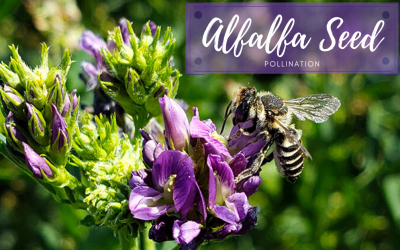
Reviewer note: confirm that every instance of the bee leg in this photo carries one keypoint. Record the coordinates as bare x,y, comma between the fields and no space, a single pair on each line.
258,162
269,158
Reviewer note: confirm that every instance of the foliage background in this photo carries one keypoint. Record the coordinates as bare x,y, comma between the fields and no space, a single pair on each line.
348,196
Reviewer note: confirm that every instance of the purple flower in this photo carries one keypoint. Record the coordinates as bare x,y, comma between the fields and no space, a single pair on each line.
185,232
173,188
227,205
172,193
36,163
92,44
176,124
206,131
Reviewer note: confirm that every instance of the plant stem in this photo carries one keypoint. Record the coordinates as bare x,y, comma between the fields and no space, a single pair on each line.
145,242
126,241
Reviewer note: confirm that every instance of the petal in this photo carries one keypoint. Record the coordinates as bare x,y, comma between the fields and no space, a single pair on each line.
222,169
91,43
188,203
239,203
36,163
204,131
142,177
249,186
175,122
238,164
148,152
184,182
225,214
170,162
141,203
185,232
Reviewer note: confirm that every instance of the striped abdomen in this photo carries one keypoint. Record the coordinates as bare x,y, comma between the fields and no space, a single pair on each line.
288,159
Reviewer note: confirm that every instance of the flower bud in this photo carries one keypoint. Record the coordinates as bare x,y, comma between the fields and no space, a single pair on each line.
13,101
37,125
36,163
61,70
9,77
151,149
60,141
175,122
36,95
14,135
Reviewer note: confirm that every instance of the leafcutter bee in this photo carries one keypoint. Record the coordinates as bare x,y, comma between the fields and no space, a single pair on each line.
268,117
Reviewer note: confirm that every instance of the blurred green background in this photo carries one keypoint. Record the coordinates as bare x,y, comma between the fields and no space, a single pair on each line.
347,198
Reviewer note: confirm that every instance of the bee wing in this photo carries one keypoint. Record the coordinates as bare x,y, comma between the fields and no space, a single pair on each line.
316,108
293,138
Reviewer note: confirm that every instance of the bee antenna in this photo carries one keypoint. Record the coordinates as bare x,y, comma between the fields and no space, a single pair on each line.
227,113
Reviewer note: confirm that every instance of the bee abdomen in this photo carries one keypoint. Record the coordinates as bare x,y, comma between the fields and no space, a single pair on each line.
288,160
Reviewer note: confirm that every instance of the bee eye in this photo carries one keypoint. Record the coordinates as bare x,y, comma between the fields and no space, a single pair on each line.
270,114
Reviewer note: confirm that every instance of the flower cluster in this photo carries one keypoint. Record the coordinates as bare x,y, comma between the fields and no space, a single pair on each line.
106,158
41,118
132,71
188,187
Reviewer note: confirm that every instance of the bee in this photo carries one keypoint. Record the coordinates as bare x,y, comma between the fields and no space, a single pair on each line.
268,117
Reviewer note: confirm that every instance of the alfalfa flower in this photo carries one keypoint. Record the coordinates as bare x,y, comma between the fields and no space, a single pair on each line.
189,187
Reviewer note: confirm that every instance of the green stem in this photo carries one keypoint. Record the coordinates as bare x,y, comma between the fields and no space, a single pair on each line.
126,241
145,242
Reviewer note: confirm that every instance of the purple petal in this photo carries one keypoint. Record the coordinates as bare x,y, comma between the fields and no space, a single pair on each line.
201,203
142,177
175,122
67,105
184,182
142,203
222,169
188,203
204,131
91,43
225,214
249,186
185,232
148,152
36,163
239,203
168,163
74,98
238,164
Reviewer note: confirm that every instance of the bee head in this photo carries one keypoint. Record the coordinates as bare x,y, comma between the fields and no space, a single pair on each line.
242,104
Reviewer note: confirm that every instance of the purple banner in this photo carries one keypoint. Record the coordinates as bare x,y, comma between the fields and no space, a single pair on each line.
285,38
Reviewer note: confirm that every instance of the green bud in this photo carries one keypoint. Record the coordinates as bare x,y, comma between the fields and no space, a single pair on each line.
10,77
13,101
37,126
61,70
36,94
